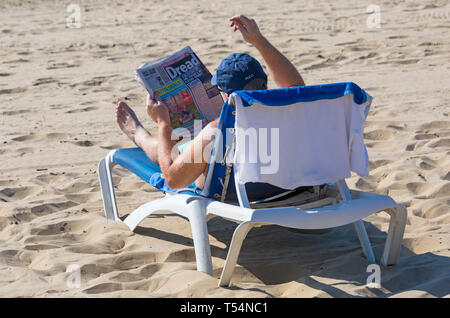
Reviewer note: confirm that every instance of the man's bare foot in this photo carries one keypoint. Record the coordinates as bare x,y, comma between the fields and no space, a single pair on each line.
129,123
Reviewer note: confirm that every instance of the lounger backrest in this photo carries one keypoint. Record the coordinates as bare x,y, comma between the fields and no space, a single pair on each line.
291,137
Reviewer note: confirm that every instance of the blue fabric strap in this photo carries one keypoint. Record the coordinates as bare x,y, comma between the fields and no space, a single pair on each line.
226,121
292,95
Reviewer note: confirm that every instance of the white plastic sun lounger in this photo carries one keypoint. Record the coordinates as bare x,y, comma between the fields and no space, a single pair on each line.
326,156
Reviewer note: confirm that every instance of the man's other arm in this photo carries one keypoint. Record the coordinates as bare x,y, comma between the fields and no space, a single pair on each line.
281,69
179,169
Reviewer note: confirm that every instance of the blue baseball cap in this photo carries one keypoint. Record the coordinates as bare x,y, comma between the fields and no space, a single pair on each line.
237,70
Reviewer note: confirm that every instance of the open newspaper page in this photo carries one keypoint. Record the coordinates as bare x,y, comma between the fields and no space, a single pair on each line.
184,84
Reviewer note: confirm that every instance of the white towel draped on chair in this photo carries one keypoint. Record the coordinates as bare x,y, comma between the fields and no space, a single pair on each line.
311,142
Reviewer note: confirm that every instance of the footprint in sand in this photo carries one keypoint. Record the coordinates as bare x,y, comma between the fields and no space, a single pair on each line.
29,137
127,277
396,127
307,40
93,83
16,61
19,193
406,62
44,81
368,56
436,125
417,188
96,81
54,179
425,136
84,143
424,190
411,147
185,255
73,226
395,37
131,260
16,90
92,271
4,222
10,257
47,208
40,247
378,163
100,247
82,198
426,163
15,112
56,66
366,184
444,143
150,269
34,137
435,209
103,288
77,186
316,66
80,110
433,130
446,177
379,134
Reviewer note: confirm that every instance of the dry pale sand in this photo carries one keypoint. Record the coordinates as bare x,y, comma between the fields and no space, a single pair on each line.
58,88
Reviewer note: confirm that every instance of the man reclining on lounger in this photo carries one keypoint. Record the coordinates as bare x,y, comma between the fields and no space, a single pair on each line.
236,72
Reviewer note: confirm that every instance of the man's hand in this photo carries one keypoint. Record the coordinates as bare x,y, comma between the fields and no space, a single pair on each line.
282,70
248,28
157,110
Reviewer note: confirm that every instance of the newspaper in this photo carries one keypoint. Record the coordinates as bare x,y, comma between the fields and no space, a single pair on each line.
184,84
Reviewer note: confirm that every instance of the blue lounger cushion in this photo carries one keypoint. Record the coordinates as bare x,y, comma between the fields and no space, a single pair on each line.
135,160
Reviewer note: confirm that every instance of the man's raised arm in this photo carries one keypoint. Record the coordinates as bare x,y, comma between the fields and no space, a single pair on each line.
283,72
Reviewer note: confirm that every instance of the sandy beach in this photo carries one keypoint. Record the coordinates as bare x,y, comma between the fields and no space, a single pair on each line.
58,89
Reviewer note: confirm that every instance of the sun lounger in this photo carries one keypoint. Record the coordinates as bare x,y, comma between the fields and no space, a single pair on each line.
321,128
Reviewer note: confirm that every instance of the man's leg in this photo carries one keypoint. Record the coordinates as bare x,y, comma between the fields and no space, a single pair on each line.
131,126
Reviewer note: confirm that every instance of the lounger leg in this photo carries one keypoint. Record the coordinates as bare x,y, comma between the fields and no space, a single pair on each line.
197,219
195,211
359,225
394,238
364,240
107,188
233,252
145,210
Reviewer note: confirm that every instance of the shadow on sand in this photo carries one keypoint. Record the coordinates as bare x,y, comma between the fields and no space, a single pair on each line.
274,255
